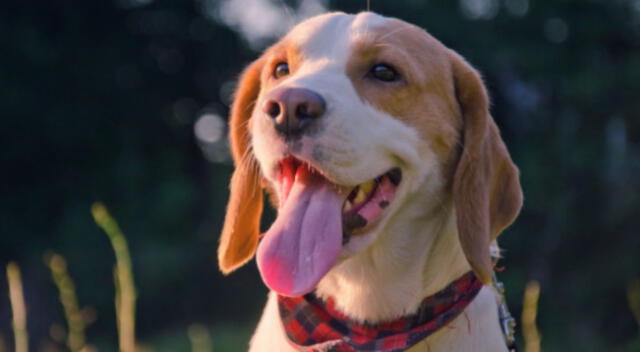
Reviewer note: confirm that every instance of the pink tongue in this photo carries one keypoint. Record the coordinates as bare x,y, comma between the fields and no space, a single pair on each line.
305,240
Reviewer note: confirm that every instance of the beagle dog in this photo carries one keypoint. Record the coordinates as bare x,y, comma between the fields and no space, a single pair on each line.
375,144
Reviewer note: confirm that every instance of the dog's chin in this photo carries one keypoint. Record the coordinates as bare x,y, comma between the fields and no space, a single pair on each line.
317,217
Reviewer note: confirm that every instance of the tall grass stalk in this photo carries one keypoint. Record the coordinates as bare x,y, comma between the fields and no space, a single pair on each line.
18,308
633,295
529,314
69,300
125,288
199,338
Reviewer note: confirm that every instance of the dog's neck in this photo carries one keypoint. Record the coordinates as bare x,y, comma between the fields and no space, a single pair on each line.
384,281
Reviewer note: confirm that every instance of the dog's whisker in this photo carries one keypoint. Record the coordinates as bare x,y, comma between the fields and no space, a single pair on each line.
250,106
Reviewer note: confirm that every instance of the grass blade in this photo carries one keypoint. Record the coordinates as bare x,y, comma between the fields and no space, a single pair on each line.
69,300
18,308
125,287
529,314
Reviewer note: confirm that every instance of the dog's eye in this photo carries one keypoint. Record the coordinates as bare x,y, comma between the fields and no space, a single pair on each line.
281,70
384,73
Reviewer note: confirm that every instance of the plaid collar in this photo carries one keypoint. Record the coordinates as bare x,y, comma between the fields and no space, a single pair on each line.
313,325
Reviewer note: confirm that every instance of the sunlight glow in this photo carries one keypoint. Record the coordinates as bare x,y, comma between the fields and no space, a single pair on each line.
260,21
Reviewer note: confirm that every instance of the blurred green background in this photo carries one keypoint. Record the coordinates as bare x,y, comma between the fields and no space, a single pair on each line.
99,102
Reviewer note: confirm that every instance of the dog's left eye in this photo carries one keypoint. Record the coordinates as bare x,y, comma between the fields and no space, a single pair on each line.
281,70
384,73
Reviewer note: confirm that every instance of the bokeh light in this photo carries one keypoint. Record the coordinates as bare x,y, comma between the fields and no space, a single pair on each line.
210,130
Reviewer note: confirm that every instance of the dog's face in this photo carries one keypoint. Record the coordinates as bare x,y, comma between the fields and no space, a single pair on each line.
344,121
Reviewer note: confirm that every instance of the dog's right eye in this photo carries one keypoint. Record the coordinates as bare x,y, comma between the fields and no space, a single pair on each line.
385,73
281,70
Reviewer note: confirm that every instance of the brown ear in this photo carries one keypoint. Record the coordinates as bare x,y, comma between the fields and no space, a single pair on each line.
239,237
486,186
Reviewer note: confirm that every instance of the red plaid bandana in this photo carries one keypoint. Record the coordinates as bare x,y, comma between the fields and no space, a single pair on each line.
316,326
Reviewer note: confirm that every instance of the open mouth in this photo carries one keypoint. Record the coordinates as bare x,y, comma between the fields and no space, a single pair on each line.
315,217
364,203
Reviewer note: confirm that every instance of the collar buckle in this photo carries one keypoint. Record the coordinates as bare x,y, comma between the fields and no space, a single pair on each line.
507,321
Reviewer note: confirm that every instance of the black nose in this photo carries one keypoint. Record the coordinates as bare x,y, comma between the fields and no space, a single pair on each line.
293,110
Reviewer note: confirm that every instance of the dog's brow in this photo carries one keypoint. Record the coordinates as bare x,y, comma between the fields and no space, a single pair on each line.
382,45
370,39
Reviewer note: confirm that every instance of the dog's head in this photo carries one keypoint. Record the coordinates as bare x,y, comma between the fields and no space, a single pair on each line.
343,122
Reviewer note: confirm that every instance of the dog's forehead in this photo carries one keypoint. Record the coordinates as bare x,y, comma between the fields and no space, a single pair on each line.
332,34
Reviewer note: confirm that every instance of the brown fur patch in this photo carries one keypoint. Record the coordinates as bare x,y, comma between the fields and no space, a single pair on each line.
424,97
282,51
239,237
486,187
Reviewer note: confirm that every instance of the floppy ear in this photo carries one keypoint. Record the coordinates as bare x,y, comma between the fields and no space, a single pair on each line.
486,186
239,237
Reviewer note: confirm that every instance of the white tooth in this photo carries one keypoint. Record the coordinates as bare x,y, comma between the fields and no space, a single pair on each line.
360,197
347,206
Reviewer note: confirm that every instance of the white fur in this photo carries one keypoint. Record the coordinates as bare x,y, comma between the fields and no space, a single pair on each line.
414,250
